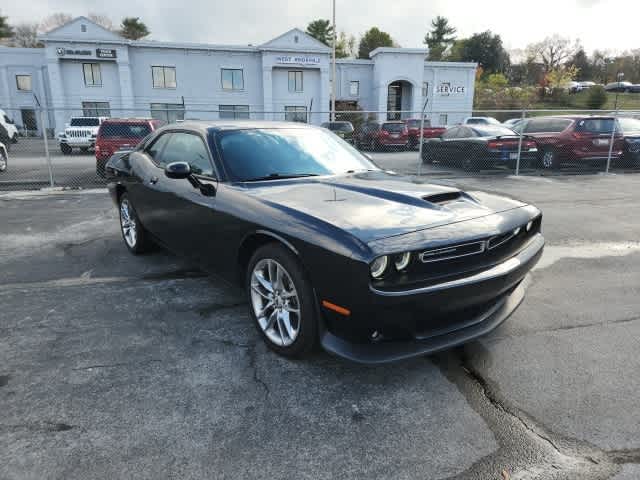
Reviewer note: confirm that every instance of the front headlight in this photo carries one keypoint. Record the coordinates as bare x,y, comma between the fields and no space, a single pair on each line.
401,261
379,266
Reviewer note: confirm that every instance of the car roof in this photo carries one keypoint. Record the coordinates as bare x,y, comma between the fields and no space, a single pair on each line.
230,125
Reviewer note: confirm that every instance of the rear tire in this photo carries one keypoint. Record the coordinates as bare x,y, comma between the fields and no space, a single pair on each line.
3,161
134,235
281,301
549,159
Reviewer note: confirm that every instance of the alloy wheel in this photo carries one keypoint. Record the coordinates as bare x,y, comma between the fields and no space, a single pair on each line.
548,159
275,302
128,223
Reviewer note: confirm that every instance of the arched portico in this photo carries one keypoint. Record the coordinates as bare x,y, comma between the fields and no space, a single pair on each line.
399,99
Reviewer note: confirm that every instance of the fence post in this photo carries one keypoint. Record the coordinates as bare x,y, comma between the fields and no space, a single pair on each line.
612,139
520,142
46,144
424,108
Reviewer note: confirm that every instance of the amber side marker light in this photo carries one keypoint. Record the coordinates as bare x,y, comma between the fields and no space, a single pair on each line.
336,308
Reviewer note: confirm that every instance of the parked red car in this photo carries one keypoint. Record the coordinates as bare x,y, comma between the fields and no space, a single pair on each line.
413,130
117,134
376,136
573,138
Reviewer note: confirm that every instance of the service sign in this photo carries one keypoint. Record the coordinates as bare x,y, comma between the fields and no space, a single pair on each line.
297,60
105,53
448,89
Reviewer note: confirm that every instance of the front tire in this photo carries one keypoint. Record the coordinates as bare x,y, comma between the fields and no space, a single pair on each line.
133,233
65,149
3,161
281,301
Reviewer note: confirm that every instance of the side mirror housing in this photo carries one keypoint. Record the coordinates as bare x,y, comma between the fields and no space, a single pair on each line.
178,170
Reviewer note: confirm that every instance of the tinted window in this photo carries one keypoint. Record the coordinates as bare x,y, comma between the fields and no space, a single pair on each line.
595,125
85,122
553,125
187,147
338,126
125,130
251,154
370,127
157,146
393,127
492,131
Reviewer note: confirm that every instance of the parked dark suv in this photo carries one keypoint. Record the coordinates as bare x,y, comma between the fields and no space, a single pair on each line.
121,134
341,128
574,139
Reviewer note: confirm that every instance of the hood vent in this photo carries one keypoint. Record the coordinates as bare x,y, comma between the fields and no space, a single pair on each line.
442,198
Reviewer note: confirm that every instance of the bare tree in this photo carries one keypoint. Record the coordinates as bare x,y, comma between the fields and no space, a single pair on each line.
25,35
553,51
54,20
102,20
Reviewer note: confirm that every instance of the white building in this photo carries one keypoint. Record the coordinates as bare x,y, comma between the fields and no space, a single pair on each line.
86,69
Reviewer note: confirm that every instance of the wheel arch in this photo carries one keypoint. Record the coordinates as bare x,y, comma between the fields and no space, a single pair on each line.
251,242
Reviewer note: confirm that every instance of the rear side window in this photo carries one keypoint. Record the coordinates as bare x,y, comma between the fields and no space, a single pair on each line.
595,125
156,148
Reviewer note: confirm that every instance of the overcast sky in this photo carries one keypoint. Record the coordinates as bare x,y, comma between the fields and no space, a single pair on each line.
598,24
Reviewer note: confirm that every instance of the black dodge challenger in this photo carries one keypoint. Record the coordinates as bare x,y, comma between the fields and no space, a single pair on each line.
372,265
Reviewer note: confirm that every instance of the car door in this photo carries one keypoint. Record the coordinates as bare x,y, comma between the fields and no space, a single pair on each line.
448,147
185,213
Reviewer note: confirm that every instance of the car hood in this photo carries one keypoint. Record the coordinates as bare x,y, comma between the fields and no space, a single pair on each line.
376,205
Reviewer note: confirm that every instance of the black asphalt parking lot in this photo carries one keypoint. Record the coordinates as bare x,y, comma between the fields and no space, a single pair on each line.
115,366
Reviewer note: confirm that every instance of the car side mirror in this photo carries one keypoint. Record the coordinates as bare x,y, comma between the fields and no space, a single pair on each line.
178,170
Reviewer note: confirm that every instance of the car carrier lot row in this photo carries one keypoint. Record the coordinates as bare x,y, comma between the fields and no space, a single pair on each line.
121,366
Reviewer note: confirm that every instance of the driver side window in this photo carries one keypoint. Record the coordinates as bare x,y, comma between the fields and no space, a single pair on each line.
451,133
187,147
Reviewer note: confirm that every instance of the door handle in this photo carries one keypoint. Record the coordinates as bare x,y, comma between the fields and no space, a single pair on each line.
153,180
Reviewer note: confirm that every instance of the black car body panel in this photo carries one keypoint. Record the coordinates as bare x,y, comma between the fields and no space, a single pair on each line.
337,225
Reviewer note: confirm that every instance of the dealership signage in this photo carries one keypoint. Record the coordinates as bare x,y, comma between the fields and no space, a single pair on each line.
105,53
69,51
297,60
447,89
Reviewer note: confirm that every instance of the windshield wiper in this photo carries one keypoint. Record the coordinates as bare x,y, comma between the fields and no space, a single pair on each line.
279,176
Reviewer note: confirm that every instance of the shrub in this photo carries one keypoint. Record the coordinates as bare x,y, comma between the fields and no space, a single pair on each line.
597,97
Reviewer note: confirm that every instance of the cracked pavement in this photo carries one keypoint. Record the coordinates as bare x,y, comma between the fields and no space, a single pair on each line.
117,366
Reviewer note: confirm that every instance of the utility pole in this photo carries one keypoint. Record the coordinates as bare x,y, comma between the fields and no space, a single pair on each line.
333,67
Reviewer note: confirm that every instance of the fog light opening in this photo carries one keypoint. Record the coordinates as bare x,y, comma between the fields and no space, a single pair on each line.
376,336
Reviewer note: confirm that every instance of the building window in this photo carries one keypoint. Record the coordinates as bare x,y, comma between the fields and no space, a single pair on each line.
295,114
164,77
83,28
168,112
234,112
295,81
23,83
354,88
96,109
443,120
425,89
92,74
232,79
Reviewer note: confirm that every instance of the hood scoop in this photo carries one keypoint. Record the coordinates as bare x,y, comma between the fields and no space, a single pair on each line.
444,197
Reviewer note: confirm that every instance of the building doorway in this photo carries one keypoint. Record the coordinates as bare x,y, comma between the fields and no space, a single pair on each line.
399,99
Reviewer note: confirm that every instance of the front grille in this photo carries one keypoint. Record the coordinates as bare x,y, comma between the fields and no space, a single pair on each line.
454,251
459,260
78,134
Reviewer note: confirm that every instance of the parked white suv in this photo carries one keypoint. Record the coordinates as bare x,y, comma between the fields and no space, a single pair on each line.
8,131
80,133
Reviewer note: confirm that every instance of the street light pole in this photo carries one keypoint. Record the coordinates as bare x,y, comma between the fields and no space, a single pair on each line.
333,67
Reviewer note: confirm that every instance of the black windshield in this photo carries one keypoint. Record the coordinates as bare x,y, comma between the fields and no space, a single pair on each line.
85,122
276,153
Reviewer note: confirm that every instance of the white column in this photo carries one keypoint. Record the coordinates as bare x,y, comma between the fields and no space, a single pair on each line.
62,110
324,103
5,89
267,91
126,90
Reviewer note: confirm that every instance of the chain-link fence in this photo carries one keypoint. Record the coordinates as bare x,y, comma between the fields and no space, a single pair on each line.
69,148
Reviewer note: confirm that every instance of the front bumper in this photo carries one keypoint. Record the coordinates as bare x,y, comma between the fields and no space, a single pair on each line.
437,317
77,142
